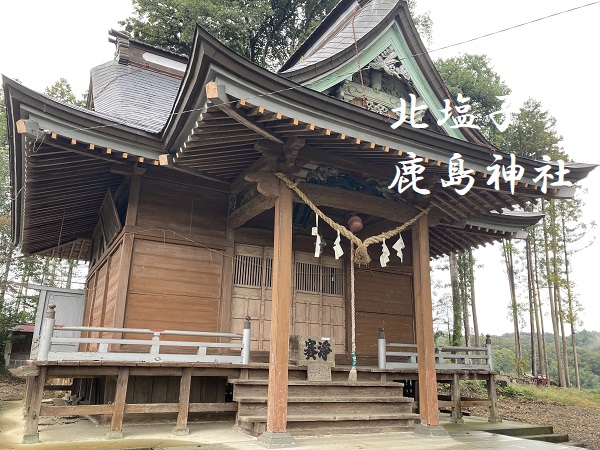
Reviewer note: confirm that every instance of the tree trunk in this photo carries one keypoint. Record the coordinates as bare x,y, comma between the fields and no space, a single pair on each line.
549,279
463,279
4,280
70,274
531,305
456,303
473,308
508,259
557,296
539,313
570,300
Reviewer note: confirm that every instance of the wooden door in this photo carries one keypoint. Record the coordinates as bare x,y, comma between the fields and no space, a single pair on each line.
318,307
251,293
383,299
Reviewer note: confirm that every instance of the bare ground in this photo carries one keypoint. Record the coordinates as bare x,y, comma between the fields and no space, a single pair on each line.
11,388
581,423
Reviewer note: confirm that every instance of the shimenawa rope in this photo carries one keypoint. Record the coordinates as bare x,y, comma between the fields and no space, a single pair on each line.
361,256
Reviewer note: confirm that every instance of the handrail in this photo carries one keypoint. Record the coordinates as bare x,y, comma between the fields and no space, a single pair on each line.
459,357
147,331
47,338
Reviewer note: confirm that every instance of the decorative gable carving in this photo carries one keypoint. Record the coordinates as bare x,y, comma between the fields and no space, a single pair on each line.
389,62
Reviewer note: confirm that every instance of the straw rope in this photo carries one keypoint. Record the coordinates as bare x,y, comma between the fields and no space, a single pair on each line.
362,256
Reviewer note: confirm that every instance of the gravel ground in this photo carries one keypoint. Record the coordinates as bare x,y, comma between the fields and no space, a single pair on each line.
12,388
582,424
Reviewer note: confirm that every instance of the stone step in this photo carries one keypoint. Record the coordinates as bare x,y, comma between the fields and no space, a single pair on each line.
350,427
331,417
524,431
556,438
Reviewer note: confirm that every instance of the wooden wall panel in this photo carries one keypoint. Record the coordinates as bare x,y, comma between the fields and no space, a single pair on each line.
114,263
383,299
174,287
187,210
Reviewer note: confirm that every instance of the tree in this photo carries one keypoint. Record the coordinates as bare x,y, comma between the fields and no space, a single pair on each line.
474,77
61,90
263,31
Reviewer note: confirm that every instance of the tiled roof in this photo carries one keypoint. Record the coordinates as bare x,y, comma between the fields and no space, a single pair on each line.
134,96
341,35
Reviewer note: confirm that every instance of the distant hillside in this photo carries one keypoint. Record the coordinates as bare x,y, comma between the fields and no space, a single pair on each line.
588,353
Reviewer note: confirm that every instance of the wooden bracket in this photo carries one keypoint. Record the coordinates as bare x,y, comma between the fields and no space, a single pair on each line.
266,183
29,128
250,209
216,94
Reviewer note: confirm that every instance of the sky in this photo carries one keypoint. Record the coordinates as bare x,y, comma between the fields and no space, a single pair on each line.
553,61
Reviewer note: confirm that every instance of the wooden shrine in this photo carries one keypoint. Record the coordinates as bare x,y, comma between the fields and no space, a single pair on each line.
194,200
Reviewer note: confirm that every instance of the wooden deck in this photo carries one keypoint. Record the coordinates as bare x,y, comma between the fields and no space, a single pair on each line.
111,382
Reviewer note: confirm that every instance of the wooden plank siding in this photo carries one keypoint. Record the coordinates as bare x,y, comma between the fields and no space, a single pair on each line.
383,299
173,287
188,211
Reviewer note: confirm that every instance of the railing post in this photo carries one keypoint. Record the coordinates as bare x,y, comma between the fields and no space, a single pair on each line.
488,346
381,357
439,356
155,348
246,335
46,333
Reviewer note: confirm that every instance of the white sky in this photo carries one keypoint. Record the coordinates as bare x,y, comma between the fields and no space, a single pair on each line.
553,61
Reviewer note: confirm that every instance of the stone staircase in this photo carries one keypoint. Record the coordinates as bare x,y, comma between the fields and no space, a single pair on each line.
327,407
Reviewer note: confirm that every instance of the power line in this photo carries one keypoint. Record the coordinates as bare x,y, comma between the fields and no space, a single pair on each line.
502,30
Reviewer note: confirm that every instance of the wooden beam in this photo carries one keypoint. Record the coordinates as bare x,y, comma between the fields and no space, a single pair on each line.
185,384
249,210
428,400
377,171
116,423
280,313
31,434
216,94
134,198
351,201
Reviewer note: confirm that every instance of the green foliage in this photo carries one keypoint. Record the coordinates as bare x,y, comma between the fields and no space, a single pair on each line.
264,31
423,22
61,90
474,77
532,133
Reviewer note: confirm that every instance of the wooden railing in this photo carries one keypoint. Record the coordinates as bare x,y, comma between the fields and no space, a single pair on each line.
404,356
50,334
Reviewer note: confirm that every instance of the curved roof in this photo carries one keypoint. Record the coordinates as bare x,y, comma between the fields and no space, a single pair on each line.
136,96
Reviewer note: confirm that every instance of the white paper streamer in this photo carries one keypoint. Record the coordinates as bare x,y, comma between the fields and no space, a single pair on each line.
385,254
315,232
398,246
337,248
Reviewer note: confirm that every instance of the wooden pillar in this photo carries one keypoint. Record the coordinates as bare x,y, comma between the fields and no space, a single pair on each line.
456,401
31,434
184,402
116,423
280,312
126,254
428,401
492,396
